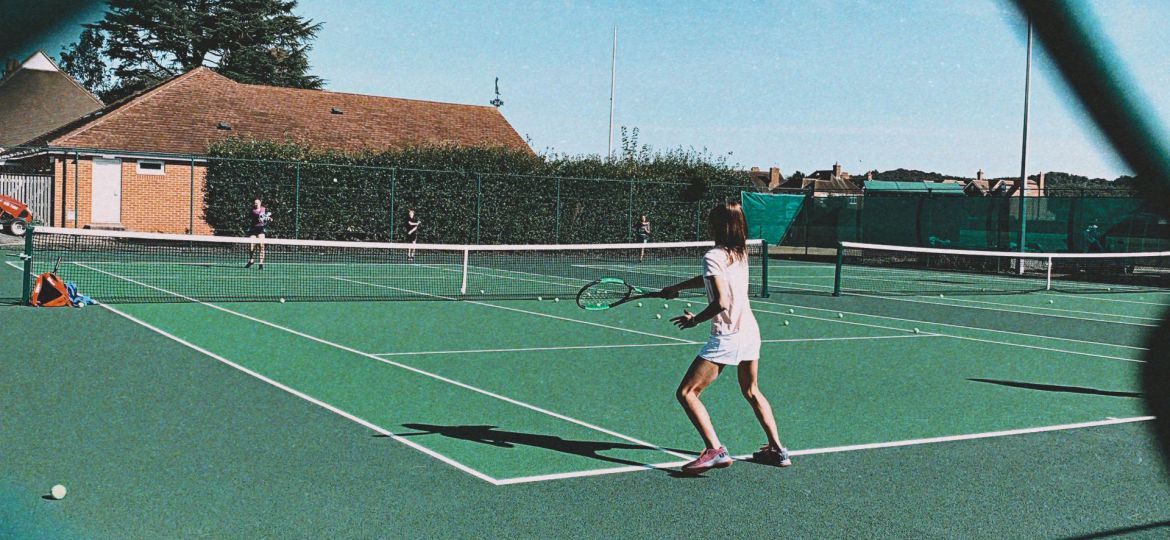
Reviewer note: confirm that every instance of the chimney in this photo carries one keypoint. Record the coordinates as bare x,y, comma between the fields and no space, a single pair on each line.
979,175
774,178
869,175
836,170
756,177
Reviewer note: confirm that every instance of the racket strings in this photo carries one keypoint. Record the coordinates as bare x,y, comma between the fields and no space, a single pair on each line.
603,294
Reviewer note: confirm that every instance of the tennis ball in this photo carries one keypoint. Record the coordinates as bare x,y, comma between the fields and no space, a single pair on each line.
556,299
639,304
785,323
916,330
334,180
790,310
58,492
539,298
282,300
1051,302
940,295
657,315
481,291
665,306
840,315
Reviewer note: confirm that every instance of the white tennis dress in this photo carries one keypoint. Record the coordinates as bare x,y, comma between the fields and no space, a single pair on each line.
735,335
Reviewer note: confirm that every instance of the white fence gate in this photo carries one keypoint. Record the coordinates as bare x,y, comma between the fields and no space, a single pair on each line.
35,190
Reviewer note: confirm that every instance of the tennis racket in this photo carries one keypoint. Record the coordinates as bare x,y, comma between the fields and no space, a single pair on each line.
609,292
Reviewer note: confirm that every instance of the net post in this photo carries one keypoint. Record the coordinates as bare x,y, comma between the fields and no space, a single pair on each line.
837,273
1048,283
764,268
463,286
26,295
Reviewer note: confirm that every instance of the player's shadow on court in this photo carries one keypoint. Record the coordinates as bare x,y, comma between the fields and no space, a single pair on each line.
490,435
1060,388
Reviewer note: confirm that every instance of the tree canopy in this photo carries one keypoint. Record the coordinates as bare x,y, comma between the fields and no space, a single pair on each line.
141,42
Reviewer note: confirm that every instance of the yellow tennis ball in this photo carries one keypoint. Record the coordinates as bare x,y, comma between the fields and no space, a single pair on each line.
58,492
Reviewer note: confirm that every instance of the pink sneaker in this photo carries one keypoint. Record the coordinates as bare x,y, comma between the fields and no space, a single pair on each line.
711,458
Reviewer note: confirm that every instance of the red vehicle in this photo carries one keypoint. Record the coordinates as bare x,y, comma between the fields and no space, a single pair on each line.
14,216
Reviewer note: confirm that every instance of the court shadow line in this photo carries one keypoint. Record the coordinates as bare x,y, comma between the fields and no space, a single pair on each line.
1122,531
492,436
1059,388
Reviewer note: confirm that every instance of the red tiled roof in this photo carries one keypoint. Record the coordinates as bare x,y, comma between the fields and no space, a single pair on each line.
182,115
33,101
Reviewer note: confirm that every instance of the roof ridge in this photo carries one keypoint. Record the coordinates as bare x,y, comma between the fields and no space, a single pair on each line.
135,101
323,91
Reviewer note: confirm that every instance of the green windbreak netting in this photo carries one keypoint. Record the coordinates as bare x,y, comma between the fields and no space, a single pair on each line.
1054,224
770,216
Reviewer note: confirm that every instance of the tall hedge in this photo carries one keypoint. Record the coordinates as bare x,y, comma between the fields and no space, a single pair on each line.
464,195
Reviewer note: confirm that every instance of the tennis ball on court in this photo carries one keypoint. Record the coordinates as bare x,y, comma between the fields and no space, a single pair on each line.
916,330
790,310
1051,302
282,300
665,306
556,299
657,315
940,295
785,323
539,298
58,492
840,315
639,304
689,304
481,291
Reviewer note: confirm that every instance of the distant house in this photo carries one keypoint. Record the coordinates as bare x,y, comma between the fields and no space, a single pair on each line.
148,149
828,182
770,180
982,186
36,96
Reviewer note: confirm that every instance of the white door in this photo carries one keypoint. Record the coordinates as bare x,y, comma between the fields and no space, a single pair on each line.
107,190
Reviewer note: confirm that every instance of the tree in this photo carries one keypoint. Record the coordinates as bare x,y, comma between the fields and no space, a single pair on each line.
83,61
252,41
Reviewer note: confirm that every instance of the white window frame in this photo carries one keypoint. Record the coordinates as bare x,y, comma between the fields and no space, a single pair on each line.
161,171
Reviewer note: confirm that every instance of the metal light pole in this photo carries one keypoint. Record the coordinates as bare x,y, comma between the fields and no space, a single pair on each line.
1024,151
612,82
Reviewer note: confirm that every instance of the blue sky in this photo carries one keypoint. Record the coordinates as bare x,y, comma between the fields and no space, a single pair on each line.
874,85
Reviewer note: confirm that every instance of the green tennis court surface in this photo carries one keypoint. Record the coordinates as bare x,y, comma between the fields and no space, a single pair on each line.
910,416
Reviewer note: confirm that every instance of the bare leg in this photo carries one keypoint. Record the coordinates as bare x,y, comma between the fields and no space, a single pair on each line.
261,237
701,374
748,379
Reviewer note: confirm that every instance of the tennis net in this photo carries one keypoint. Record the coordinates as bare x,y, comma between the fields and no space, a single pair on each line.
894,270
126,267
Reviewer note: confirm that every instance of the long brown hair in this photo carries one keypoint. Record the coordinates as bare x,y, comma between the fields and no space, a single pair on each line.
728,229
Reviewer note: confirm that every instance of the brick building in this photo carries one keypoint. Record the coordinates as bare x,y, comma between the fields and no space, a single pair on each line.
139,164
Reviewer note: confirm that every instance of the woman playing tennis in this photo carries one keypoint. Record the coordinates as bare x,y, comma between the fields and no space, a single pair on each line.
734,341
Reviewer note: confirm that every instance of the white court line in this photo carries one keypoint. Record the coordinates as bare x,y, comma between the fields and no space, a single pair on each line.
415,370
952,337
835,449
1071,340
634,345
518,310
803,287
311,399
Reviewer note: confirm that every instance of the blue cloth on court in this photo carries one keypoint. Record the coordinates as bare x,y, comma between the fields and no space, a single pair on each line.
78,299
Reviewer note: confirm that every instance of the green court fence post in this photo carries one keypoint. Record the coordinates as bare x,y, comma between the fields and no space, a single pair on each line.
26,297
297,203
764,269
557,235
191,199
478,205
837,273
630,213
393,184
76,179
809,203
